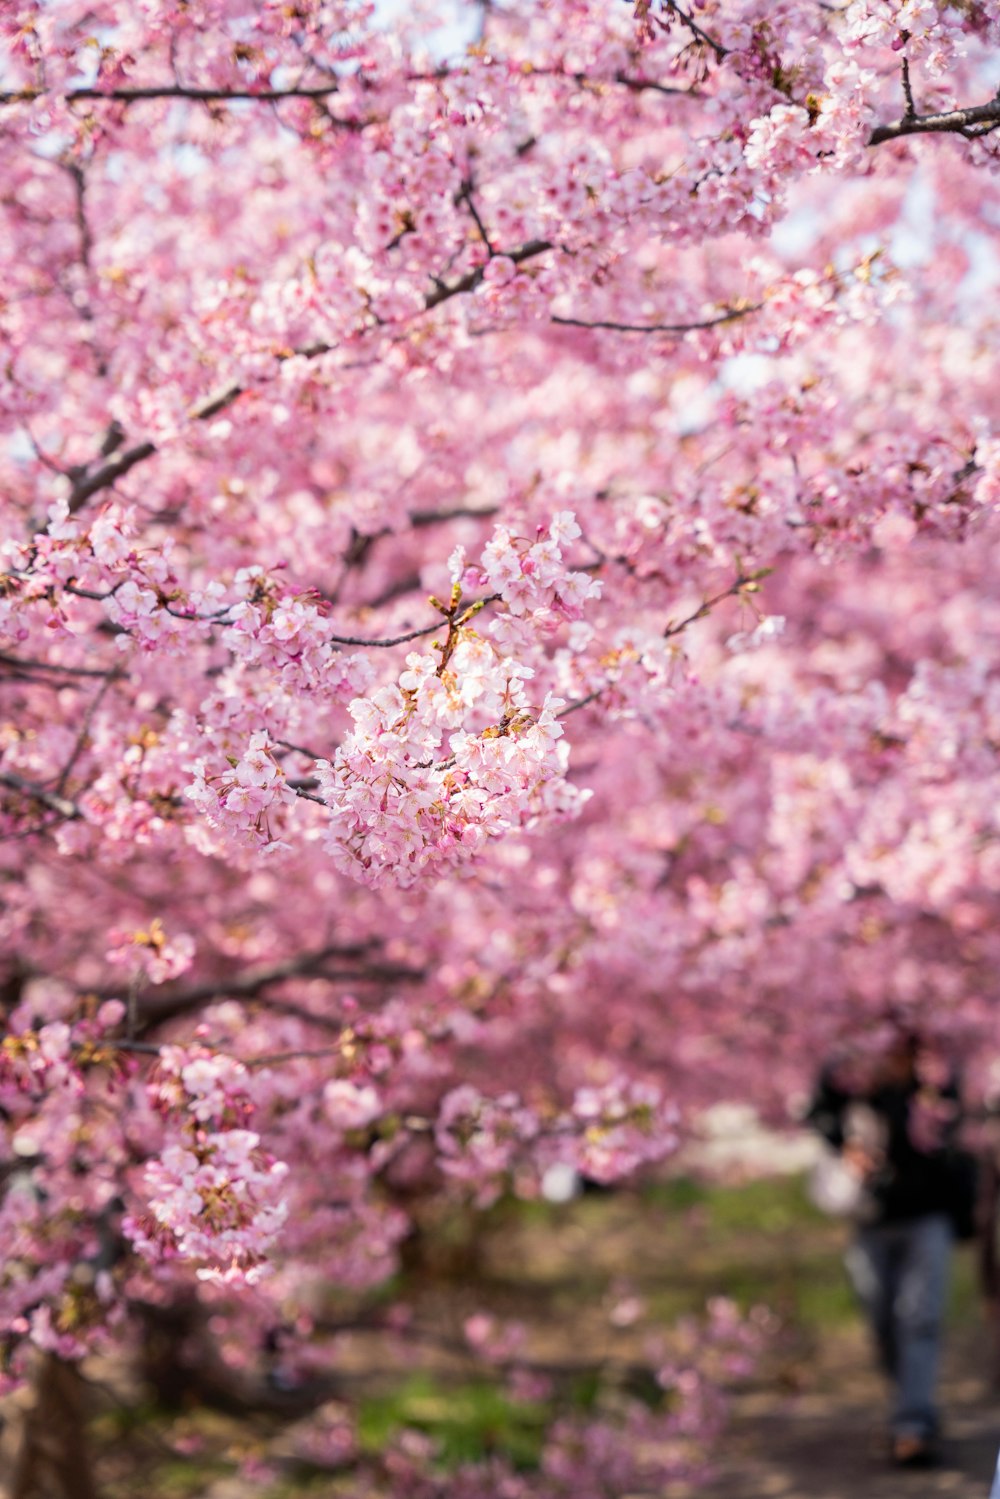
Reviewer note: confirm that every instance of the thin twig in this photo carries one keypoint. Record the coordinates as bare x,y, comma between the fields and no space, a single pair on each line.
911,108
697,32
465,196
741,586
731,315
252,981
393,640
582,702
81,737
623,80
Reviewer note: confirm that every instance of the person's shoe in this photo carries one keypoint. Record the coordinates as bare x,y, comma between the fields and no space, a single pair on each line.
914,1452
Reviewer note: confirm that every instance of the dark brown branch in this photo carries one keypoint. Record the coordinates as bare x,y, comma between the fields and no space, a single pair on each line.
29,664
464,610
741,587
732,315
642,85
154,1010
582,702
700,36
446,290
911,108
623,80
465,195
155,91
457,512
392,640
304,789
150,1049
66,809
89,484
80,204
80,743
976,120
300,749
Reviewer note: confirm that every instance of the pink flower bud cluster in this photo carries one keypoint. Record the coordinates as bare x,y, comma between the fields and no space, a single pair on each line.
453,753
214,1199
623,1125
152,953
249,802
58,1280
531,576
478,1139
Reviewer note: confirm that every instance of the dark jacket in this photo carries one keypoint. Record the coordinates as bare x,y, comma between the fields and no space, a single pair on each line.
911,1179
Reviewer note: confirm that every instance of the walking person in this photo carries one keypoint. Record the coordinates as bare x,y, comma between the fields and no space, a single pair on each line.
893,1121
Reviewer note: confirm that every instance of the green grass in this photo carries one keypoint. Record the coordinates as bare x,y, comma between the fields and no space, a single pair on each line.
768,1206
466,1422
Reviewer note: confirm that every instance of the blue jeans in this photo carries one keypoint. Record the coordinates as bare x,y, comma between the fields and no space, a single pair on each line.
900,1272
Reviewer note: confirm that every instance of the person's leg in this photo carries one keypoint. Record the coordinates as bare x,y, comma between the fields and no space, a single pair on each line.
870,1266
918,1313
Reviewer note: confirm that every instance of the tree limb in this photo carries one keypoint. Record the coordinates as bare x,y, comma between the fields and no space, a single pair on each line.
89,483
155,91
976,120
26,664
66,809
248,984
731,315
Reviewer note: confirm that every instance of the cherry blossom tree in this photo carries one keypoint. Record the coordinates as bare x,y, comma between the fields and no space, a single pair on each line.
498,616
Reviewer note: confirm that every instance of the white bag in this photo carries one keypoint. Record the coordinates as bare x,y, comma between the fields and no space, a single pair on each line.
834,1186
835,1189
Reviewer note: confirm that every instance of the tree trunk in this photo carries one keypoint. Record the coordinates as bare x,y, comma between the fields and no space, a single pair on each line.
54,1457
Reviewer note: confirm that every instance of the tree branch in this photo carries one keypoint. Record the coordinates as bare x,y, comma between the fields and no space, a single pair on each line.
911,108
465,195
623,80
742,586
446,290
731,315
156,91
976,120
29,664
475,606
89,483
66,809
700,36
80,742
154,1010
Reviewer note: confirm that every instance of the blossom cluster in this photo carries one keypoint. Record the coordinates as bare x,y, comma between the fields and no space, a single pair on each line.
214,1199
246,802
531,575
624,1125
152,954
454,752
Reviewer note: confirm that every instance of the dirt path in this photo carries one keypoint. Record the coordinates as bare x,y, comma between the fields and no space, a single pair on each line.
827,1441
